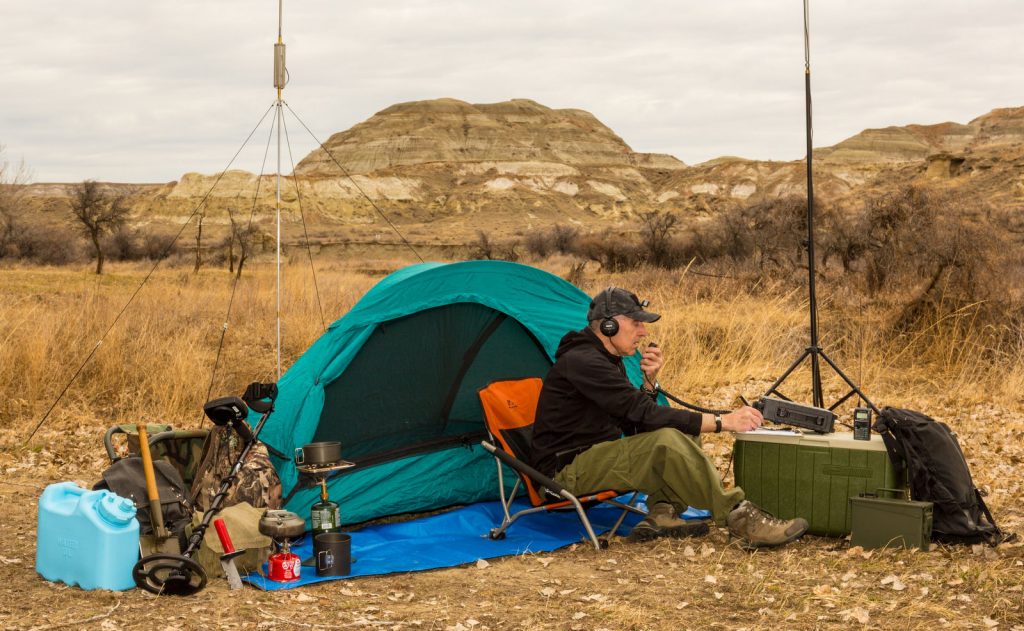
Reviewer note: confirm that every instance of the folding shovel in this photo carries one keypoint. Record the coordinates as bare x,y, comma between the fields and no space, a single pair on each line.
161,540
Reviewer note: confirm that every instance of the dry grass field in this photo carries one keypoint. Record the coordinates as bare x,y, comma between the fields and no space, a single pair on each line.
723,337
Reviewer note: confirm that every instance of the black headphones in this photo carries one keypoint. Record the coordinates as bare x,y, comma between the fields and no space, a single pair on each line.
609,325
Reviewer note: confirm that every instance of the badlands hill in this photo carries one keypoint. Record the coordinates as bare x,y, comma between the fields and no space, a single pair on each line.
445,168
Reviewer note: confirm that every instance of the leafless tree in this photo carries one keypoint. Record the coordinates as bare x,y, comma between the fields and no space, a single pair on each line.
656,230
243,236
199,244
13,179
97,214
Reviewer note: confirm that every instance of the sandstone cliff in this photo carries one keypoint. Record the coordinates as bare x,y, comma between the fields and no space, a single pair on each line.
446,168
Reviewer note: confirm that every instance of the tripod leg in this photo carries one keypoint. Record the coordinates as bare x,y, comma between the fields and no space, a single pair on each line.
849,382
792,367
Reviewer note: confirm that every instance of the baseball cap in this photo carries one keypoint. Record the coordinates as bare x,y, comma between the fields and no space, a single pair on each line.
615,301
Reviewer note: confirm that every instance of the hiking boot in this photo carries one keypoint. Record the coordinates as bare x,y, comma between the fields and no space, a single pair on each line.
663,521
759,529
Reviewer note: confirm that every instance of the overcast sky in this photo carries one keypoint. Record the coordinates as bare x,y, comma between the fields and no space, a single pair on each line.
144,91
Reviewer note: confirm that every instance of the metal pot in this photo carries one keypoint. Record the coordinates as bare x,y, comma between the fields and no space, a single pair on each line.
317,454
282,524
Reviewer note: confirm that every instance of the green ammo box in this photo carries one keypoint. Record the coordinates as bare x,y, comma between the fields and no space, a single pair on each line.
880,522
813,476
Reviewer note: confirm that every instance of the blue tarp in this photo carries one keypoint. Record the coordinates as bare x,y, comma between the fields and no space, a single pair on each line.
458,537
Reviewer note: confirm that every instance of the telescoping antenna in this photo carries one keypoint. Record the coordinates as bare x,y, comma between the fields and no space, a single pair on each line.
814,350
280,79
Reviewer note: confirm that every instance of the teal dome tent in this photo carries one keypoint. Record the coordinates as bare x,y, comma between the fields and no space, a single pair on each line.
395,381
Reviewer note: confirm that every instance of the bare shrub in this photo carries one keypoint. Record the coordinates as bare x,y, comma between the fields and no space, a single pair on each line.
559,238
508,251
46,245
122,244
940,246
483,248
539,243
489,250
576,274
726,236
156,247
656,236
613,253
563,238
841,237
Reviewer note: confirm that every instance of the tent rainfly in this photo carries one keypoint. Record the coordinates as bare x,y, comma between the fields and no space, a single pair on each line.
395,381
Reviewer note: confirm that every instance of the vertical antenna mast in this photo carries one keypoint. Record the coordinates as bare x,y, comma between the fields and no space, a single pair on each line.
814,350
816,393
280,78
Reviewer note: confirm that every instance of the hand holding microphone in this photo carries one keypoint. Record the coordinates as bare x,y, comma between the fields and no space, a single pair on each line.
651,360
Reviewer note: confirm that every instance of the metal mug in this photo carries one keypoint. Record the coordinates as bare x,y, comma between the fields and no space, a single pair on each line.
333,554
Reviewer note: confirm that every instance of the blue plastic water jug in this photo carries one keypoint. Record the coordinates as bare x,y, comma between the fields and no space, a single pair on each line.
86,538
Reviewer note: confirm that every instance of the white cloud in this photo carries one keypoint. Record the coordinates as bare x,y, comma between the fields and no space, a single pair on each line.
145,91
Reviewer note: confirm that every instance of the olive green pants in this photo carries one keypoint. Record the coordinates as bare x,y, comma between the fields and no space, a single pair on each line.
666,464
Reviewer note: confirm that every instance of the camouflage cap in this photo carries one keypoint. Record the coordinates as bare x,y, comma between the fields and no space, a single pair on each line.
615,301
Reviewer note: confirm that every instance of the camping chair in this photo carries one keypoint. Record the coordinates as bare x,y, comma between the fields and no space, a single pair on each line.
509,409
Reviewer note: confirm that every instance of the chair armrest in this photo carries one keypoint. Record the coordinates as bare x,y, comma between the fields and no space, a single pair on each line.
525,469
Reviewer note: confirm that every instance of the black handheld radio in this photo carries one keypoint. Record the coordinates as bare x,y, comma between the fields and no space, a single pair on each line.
862,424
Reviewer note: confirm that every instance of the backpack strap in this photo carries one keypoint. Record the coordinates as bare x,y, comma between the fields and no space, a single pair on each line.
999,536
883,427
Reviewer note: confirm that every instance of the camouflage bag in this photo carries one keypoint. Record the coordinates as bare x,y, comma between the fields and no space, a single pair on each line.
257,482
243,524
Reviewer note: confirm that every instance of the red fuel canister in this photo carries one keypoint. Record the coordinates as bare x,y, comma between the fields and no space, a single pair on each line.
284,567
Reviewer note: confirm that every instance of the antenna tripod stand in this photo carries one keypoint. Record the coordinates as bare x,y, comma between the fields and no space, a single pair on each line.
814,350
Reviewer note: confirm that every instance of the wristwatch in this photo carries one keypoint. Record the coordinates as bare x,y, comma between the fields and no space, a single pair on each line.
718,423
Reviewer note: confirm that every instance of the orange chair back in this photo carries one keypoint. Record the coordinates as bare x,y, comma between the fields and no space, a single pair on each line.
509,410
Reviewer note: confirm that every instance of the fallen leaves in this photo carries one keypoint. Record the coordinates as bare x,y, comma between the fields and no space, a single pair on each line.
859,614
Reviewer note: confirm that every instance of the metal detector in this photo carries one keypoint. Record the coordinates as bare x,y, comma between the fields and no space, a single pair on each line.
181,575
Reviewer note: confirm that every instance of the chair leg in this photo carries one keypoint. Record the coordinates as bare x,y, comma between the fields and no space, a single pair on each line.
583,518
499,532
626,508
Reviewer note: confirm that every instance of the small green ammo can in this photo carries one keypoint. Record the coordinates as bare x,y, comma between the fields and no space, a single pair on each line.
793,474
888,522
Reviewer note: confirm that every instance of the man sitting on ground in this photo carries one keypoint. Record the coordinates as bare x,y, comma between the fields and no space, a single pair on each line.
594,430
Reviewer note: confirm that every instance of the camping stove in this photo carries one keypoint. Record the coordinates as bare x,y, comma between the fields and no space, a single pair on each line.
282,526
325,515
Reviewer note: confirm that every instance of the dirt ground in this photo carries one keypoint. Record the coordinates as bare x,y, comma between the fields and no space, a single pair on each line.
665,584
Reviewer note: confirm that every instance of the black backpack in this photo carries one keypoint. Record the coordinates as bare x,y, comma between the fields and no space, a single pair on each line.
937,472
127,478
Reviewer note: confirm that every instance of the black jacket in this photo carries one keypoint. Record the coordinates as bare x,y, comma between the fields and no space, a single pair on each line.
587,399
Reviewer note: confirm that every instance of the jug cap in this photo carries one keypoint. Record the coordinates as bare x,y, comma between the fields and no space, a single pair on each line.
115,509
